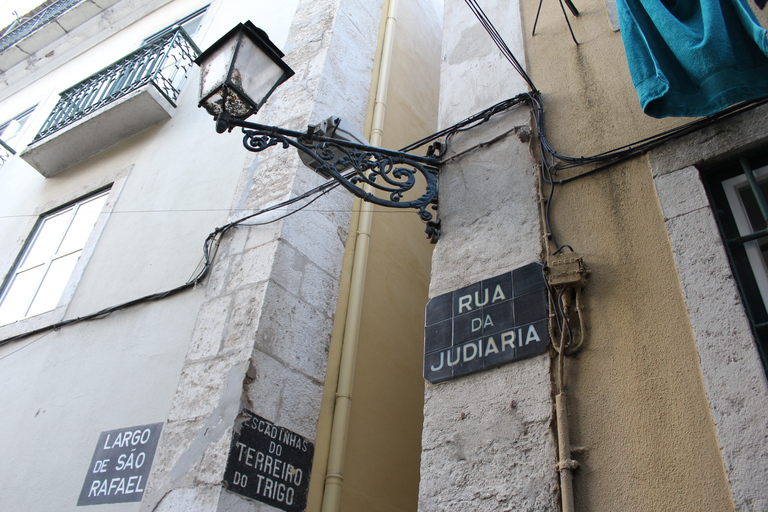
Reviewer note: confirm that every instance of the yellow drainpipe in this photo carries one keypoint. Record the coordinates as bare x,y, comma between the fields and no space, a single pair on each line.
340,423
325,421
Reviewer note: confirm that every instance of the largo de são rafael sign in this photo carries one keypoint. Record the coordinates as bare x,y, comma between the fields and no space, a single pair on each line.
486,324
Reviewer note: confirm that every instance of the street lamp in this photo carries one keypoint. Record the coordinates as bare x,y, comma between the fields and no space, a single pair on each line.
240,71
243,68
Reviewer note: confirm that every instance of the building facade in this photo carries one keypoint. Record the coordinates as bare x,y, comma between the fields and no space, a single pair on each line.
109,152
657,404
289,364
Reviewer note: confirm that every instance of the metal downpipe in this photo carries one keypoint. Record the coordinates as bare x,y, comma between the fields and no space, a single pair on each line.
338,442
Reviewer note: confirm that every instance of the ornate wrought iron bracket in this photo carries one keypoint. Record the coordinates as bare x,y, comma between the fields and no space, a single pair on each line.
399,175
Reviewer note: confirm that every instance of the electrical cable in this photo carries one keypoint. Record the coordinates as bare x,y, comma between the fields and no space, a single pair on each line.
470,122
613,156
210,247
25,346
499,41
548,169
211,244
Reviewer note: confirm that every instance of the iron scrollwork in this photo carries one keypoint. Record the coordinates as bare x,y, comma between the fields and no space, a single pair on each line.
395,173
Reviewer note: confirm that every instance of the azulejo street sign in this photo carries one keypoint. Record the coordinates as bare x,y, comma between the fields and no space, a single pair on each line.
270,464
120,465
486,324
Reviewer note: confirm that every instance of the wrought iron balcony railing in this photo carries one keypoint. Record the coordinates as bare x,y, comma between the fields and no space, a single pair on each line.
18,31
163,63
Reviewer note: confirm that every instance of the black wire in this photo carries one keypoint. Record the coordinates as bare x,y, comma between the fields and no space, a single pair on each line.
210,247
470,122
499,41
641,146
294,211
548,170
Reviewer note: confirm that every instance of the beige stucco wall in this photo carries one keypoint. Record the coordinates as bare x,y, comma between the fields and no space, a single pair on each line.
638,405
384,443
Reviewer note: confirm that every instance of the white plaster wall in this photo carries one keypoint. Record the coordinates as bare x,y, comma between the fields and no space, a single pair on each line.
61,389
475,75
487,442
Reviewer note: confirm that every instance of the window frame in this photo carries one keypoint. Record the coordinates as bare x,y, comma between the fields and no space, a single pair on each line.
55,250
722,182
11,148
200,13
733,188
41,320
733,374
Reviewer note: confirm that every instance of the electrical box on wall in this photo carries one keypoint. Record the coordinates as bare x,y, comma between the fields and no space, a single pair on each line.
333,128
566,269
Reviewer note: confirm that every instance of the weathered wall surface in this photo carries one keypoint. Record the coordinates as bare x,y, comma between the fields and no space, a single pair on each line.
640,411
62,389
487,442
733,374
474,74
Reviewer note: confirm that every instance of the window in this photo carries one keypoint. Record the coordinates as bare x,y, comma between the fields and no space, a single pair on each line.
45,265
190,24
11,132
742,213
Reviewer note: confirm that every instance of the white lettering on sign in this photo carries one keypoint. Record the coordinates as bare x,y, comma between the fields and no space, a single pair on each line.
481,299
269,464
282,435
508,340
130,461
115,486
274,490
120,465
469,351
127,439
281,477
478,323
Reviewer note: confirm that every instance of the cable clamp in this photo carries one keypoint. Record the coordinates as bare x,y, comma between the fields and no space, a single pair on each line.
568,464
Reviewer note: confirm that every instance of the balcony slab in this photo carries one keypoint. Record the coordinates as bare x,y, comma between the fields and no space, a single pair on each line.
11,57
98,131
41,37
52,31
79,14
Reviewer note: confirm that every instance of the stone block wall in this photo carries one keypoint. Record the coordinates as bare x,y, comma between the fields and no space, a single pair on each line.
487,442
735,382
262,334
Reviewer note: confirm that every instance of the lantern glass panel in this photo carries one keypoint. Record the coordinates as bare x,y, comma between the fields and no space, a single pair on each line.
214,75
255,73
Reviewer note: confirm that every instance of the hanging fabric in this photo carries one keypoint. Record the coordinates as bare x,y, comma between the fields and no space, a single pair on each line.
693,58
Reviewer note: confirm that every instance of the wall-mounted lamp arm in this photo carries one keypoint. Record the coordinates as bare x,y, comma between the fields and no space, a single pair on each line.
395,173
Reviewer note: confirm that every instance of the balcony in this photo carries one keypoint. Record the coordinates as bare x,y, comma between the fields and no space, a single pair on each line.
131,95
43,26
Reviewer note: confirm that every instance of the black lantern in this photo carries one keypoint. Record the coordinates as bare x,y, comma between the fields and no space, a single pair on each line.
239,72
